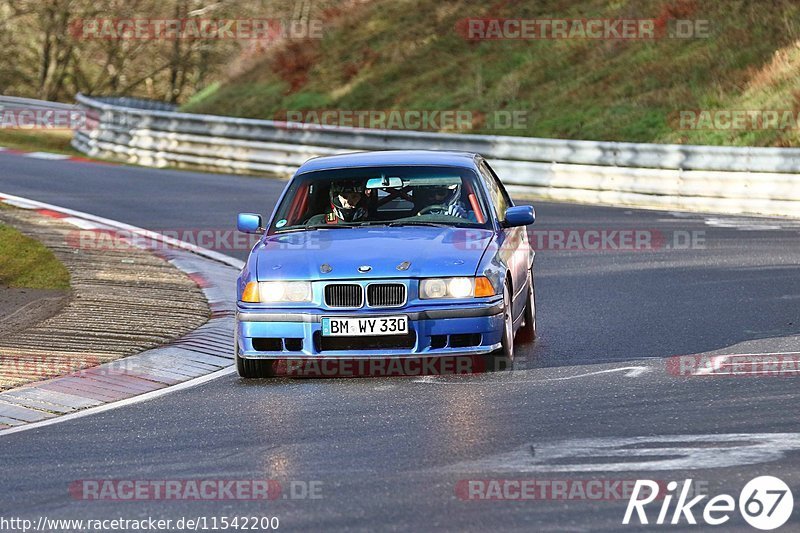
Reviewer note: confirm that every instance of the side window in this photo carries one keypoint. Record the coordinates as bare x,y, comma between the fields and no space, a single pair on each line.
500,199
500,185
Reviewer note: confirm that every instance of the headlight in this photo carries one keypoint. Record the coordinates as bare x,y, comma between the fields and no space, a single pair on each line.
433,288
277,291
455,288
460,287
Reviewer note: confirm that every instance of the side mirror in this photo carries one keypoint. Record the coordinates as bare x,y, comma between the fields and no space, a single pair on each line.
249,223
522,215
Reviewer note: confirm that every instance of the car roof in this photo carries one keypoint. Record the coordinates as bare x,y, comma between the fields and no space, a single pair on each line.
390,158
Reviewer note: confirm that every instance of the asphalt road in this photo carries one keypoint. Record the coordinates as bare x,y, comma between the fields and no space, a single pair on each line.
394,453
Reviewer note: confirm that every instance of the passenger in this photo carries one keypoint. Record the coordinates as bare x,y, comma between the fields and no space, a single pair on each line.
348,203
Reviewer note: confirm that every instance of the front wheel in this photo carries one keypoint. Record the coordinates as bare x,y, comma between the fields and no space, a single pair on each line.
503,358
528,331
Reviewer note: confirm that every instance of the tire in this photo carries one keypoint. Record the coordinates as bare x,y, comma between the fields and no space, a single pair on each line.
503,358
252,368
527,332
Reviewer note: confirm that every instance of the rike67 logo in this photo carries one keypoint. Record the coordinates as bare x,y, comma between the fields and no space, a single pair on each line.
766,503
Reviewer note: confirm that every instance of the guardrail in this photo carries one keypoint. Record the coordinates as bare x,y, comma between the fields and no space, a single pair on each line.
704,178
16,102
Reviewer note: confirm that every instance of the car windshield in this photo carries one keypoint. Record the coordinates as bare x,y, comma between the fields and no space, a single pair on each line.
382,196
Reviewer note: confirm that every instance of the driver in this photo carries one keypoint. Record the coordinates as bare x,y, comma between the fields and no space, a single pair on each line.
442,200
348,203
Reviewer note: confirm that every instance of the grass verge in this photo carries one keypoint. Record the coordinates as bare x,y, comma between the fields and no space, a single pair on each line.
27,263
56,142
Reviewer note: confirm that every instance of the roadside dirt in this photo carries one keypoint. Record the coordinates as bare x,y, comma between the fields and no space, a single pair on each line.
21,308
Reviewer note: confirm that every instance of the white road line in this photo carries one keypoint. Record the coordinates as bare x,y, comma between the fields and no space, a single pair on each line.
760,373
716,364
754,354
122,403
81,223
638,371
47,155
19,202
631,372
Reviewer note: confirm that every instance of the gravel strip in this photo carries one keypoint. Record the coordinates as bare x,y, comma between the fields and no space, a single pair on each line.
124,301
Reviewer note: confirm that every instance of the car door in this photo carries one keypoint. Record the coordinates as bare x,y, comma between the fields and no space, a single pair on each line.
514,245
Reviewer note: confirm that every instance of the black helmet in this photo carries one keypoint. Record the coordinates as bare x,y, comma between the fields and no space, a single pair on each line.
428,195
351,214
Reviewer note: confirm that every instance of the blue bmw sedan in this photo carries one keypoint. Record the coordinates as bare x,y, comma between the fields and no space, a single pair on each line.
395,254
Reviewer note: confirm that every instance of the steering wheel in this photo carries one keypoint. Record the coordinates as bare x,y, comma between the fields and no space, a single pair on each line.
435,207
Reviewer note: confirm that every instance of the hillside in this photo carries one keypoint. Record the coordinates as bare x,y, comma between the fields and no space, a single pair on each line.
413,55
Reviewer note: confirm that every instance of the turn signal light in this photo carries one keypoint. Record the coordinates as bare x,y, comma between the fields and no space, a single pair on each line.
483,287
250,293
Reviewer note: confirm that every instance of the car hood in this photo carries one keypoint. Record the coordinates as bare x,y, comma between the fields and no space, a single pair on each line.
429,252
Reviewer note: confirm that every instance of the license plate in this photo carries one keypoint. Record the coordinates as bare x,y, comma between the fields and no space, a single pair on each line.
357,327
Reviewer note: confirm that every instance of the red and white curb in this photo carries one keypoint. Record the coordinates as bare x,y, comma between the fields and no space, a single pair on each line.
50,156
200,356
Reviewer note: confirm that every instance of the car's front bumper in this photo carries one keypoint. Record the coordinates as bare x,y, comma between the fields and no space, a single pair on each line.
443,330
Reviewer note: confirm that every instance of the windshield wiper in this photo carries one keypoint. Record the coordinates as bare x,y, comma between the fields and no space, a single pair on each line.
311,228
330,226
418,223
